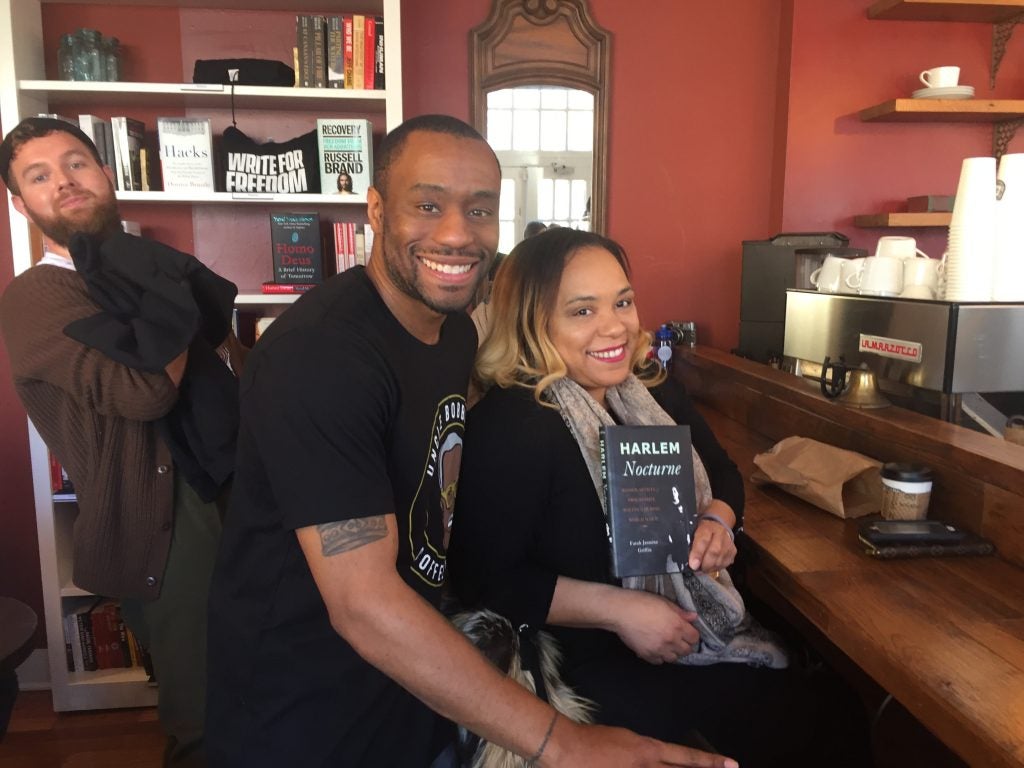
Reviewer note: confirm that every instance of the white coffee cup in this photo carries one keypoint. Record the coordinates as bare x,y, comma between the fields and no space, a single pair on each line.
917,292
898,247
921,272
940,77
881,276
849,272
826,277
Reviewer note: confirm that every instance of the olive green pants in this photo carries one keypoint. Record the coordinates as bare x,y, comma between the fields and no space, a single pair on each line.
173,627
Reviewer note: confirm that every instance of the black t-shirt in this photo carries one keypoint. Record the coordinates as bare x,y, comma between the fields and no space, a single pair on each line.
344,415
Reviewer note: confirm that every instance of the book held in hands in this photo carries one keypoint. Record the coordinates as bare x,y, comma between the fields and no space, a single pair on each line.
186,153
651,503
297,248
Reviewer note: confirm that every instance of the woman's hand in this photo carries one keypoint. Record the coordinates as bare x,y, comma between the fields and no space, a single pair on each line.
713,547
655,629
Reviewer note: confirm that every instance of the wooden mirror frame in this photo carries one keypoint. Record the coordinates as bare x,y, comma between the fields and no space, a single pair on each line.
545,42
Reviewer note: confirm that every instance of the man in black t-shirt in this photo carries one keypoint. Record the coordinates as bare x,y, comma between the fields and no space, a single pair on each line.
326,647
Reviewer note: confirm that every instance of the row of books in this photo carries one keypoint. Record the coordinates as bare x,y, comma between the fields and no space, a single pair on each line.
120,143
188,162
298,248
345,51
95,637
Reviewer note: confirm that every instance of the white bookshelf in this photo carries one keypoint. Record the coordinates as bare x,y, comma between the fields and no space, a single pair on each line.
25,91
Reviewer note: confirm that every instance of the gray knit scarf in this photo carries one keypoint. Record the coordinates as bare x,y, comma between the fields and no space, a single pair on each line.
728,632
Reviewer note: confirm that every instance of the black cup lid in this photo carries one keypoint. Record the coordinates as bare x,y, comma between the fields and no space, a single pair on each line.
907,473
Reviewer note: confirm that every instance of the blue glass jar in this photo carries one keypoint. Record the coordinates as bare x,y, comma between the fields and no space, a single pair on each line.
111,59
88,57
66,58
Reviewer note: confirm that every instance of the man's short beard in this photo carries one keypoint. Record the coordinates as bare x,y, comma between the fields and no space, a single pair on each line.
410,289
104,221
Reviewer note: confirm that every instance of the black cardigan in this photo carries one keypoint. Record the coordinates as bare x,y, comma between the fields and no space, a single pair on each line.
527,511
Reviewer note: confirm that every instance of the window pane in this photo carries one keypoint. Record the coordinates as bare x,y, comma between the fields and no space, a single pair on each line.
552,131
581,131
526,130
506,236
545,199
578,201
500,99
581,100
561,199
553,98
526,98
499,128
507,202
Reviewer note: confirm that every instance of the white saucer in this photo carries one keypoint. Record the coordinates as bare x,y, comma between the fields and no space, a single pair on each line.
950,92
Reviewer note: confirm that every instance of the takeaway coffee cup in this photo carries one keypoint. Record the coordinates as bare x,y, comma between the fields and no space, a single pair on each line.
906,491
898,247
881,276
940,77
849,275
826,277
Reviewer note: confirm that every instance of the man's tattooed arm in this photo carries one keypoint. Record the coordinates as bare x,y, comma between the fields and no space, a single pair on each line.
346,535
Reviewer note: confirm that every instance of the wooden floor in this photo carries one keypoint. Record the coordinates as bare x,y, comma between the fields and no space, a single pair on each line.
118,738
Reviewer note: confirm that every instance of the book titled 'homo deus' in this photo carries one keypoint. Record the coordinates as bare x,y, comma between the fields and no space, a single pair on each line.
298,250
651,504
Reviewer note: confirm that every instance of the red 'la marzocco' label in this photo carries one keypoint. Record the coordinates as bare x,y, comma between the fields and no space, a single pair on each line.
894,348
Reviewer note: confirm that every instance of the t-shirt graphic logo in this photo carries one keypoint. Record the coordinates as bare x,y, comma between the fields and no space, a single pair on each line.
430,513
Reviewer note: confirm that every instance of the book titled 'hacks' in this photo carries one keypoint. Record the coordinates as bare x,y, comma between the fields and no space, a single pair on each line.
651,504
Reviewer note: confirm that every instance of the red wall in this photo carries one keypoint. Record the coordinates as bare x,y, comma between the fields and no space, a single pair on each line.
838,166
725,125
691,145
19,549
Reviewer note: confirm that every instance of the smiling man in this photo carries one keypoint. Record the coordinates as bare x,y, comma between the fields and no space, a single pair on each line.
326,645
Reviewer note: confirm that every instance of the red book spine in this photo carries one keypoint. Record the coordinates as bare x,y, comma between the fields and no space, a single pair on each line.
347,27
287,287
350,243
339,247
56,480
369,51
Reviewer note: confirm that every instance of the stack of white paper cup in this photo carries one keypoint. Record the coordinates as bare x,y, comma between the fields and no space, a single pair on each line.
1008,266
970,252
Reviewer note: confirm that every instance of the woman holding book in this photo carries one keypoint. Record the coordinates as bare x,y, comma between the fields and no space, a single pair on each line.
566,355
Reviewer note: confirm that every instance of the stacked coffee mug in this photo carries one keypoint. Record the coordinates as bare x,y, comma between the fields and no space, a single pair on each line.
838,265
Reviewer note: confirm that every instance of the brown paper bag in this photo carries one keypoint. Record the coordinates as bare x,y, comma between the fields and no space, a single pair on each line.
845,483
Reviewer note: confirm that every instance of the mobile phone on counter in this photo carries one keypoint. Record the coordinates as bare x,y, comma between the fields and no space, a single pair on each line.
887,532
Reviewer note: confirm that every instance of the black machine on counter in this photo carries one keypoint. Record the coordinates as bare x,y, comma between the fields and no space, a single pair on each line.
936,357
770,267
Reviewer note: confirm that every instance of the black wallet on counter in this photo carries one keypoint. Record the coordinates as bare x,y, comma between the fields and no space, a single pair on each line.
887,539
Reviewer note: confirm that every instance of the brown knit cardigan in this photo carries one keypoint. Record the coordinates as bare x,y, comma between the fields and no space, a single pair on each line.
95,415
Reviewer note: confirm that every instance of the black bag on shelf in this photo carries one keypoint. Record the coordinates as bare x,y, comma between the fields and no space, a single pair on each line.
249,72
275,168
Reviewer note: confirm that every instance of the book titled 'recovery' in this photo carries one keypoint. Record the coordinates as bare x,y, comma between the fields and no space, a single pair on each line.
651,505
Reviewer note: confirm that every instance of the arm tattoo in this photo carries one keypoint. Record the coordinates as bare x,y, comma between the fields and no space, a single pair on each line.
346,535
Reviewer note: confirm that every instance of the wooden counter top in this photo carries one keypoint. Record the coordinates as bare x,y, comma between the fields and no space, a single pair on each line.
979,479
945,636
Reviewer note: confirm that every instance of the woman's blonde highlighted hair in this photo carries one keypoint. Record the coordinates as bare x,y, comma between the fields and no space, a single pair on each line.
517,350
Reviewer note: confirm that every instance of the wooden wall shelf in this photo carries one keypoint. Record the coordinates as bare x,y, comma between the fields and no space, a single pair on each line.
903,220
946,10
944,111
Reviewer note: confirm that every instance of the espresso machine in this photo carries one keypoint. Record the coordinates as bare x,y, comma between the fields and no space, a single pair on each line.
952,360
